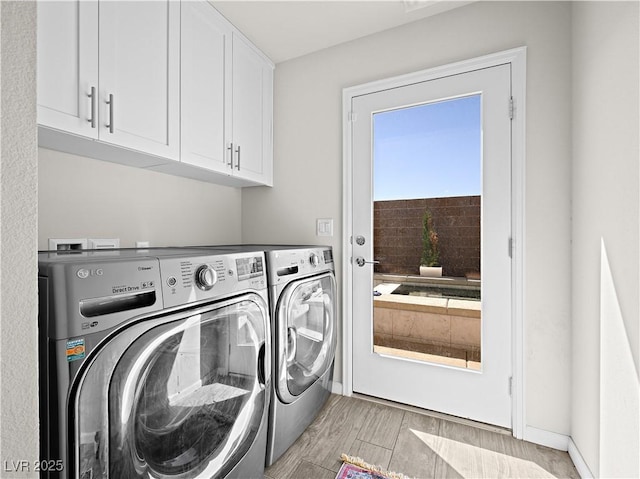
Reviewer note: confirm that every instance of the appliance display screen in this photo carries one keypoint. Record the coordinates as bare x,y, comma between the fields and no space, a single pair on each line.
249,267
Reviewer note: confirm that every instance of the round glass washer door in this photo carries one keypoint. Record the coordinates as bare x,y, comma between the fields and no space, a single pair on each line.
187,397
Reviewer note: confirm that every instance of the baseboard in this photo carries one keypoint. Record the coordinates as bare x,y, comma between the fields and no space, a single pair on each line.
578,461
336,388
546,438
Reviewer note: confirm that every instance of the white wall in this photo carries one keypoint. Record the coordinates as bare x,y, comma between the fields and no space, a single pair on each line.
606,200
85,198
308,159
18,220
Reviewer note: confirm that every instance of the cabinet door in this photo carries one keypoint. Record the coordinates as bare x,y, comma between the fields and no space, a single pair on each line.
252,99
68,65
139,72
205,49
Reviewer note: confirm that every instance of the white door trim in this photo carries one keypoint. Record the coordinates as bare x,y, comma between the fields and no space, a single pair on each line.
516,58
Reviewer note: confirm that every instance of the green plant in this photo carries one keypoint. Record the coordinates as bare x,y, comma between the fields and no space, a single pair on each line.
430,250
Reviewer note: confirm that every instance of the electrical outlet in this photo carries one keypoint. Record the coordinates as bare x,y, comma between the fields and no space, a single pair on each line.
67,244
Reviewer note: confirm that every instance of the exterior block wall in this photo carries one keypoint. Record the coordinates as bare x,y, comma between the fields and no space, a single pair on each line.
397,234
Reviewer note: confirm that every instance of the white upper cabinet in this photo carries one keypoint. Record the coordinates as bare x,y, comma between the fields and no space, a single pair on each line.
206,39
140,75
158,84
226,98
68,66
252,112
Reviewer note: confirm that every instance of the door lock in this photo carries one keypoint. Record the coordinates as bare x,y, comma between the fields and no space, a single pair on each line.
360,261
360,240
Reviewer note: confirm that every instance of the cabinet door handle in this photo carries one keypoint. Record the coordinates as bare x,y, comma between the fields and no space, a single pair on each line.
238,158
230,149
92,96
110,103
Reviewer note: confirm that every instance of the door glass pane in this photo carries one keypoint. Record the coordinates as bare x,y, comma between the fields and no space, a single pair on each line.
186,397
427,229
310,332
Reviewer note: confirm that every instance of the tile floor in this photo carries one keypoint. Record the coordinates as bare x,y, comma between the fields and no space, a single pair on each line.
414,443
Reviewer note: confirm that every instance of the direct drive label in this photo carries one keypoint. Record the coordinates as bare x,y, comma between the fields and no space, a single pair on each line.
75,349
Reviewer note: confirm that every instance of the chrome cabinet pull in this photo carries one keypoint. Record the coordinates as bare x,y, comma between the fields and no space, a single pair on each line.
110,103
230,148
238,158
92,96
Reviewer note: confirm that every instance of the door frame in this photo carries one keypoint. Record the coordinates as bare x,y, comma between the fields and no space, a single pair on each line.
516,58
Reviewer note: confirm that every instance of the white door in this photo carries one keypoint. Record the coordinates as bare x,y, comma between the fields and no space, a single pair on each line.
205,67
140,76
475,387
68,66
252,113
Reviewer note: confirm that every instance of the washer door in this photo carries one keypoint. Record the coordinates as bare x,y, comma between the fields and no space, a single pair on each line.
185,398
306,334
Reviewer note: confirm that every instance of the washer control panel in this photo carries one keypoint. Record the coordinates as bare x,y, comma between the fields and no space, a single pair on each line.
189,279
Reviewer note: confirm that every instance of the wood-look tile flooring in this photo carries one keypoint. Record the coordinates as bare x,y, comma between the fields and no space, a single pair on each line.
414,443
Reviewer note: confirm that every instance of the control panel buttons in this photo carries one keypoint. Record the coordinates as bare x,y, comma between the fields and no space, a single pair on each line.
206,277
314,259
171,281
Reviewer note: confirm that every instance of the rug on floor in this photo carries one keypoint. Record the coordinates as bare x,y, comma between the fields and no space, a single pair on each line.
356,468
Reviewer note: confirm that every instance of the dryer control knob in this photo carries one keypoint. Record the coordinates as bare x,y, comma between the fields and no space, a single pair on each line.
206,277
314,259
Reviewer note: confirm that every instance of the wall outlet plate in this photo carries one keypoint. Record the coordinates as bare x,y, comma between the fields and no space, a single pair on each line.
103,243
67,244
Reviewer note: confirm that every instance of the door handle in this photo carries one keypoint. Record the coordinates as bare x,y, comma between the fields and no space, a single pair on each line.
360,261
238,157
262,371
293,336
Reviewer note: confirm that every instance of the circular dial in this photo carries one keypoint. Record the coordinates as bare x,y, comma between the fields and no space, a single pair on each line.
314,259
206,277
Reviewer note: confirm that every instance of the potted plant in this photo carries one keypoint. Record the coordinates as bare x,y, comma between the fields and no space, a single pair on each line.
430,260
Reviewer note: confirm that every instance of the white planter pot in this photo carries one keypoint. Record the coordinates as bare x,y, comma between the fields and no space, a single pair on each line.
431,271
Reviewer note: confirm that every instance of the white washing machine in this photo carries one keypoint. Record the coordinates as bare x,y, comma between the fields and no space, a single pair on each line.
154,363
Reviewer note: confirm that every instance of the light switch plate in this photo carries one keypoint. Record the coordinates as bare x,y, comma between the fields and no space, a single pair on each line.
324,227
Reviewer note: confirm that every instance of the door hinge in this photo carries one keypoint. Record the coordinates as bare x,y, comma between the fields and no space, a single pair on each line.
511,386
352,116
511,108
510,247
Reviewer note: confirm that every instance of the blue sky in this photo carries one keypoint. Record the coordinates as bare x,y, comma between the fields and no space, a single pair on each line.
428,151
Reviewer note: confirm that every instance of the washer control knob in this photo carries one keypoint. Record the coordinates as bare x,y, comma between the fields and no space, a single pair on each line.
206,277
314,259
